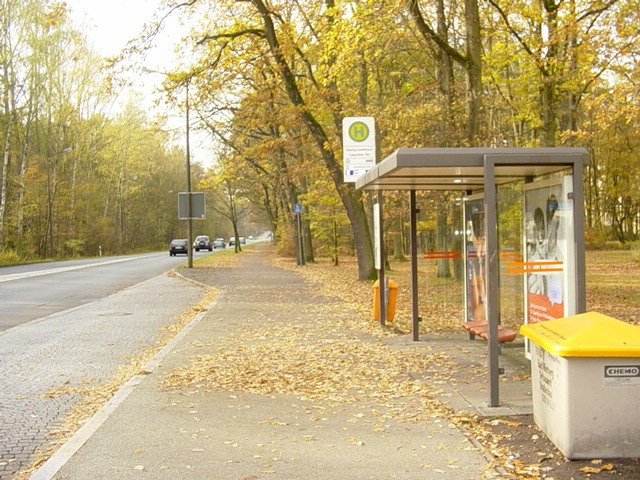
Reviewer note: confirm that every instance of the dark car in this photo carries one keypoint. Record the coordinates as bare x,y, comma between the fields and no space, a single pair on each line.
202,242
219,243
178,245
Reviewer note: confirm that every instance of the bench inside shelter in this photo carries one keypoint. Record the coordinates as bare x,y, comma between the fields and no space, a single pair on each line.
481,329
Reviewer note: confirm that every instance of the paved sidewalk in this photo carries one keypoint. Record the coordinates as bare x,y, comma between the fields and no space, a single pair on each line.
47,365
191,433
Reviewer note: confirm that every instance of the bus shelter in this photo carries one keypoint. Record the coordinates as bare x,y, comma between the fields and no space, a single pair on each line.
553,213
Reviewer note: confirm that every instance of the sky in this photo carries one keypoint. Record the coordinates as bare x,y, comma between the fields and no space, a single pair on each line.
110,24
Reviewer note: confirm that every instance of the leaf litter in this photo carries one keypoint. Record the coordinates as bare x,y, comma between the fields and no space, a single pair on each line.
330,363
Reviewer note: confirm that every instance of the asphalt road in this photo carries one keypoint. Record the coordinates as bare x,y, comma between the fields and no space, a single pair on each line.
31,292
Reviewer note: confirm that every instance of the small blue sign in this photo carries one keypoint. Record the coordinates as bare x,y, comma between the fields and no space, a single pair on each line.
297,208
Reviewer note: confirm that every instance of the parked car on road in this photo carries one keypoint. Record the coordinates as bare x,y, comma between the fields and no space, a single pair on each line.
178,245
243,241
232,241
202,242
219,243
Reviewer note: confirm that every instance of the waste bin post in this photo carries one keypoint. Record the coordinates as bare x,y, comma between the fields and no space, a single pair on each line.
390,299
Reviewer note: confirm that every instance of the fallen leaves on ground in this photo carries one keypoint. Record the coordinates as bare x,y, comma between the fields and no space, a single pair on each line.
441,307
597,469
330,362
336,367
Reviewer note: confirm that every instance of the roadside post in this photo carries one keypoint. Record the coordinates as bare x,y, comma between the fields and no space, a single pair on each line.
191,207
297,209
379,259
188,160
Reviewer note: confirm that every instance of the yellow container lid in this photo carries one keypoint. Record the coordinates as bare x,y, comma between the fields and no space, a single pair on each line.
586,335
390,283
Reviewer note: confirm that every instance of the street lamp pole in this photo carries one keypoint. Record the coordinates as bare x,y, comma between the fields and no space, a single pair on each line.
189,213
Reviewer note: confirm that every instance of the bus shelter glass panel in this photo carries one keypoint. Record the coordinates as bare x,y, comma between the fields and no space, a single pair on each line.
510,250
474,259
549,263
535,248
440,262
511,295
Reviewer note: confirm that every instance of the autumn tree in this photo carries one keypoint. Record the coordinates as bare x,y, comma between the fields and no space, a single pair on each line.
613,202
258,132
565,43
270,29
327,217
74,178
228,194
469,57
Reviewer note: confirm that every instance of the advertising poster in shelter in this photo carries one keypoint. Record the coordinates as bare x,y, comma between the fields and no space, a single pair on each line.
545,228
475,259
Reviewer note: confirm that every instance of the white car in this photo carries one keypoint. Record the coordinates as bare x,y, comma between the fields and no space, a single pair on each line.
202,242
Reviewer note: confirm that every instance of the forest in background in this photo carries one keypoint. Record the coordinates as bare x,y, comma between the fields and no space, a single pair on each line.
270,81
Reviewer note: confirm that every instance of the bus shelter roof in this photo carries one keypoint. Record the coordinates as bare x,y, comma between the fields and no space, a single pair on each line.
463,168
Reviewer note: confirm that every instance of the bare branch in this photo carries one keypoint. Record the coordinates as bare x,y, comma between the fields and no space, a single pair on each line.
596,13
429,34
249,31
511,29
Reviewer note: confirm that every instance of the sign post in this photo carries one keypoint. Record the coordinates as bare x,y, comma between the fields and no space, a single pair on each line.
190,206
379,259
377,236
360,154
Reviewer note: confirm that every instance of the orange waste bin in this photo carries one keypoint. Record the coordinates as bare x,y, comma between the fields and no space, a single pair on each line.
391,297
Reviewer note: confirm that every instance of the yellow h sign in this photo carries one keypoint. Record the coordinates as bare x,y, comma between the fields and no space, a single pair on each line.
358,131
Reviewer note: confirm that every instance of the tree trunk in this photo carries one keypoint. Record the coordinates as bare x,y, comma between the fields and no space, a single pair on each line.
398,247
6,145
351,199
550,80
474,71
471,60
335,245
445,80
307,241
307,238
5,180
548,112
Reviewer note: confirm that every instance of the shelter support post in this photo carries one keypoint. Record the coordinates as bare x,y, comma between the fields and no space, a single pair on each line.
491,263
414,264
578,228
